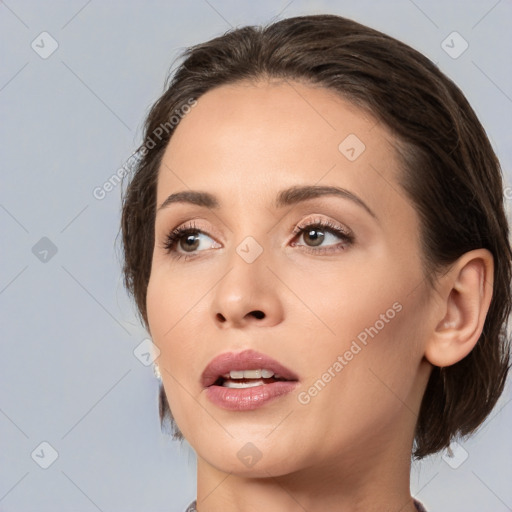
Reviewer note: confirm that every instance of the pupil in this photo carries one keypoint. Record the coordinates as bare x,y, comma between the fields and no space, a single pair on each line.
318,239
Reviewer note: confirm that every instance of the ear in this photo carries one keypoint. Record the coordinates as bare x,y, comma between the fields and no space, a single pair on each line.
465,293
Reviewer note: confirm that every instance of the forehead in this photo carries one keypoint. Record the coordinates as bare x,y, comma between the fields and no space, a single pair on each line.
247,140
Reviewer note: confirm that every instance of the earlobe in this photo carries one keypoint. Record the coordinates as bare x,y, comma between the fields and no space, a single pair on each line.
466,292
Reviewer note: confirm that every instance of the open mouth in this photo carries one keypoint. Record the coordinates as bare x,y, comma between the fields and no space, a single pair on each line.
250,388
244,369
227,381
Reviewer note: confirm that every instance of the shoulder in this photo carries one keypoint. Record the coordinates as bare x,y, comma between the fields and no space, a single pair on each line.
419,506
191,507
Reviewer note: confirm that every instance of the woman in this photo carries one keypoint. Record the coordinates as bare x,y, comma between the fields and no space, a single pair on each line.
315,238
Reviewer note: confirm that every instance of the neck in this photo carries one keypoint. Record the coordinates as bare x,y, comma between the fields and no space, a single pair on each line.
375,480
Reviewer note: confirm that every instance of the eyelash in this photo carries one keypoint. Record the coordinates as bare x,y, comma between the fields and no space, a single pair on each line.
348,238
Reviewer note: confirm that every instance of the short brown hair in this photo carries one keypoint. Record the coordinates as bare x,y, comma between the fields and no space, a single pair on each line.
449,171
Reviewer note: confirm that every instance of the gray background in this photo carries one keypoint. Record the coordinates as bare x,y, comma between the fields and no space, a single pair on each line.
68,122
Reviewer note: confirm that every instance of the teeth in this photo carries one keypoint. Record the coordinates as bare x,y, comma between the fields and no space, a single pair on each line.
252,374
249,374
231,384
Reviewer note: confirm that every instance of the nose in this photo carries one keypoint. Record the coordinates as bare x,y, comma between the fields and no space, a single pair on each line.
247,295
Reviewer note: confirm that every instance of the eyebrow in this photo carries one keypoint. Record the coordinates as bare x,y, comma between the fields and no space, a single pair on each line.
287,197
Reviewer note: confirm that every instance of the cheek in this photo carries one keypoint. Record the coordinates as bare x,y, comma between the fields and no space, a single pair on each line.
178,315
368,333
159,302
348,302
172,297
169,312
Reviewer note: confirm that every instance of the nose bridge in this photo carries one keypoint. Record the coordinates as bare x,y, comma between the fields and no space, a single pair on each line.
247,292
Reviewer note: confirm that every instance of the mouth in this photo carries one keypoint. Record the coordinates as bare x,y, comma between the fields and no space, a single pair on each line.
243,370
246,380
240,379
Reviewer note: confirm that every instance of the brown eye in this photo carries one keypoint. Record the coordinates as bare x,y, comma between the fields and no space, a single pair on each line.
321,236
187,240
315,236
189,243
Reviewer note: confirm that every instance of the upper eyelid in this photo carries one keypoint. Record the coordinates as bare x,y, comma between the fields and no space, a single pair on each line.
297,227
190,224
342,232
327,223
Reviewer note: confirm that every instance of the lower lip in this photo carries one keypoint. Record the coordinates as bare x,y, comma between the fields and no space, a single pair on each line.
247,399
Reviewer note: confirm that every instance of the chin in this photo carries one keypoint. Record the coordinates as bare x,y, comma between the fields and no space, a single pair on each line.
254,456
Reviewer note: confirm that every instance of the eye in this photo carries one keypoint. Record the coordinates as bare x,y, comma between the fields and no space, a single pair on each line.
186,241
318,231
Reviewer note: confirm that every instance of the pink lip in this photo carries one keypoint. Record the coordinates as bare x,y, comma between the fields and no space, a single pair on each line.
246,398
246,360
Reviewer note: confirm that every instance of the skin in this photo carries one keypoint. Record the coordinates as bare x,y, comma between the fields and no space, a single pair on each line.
349,447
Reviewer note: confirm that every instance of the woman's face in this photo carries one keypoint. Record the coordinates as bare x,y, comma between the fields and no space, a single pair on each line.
344,307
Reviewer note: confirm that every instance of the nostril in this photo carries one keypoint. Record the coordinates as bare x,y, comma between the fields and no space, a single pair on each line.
256,313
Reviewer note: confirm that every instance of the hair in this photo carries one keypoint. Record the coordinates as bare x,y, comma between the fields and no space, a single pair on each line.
448,170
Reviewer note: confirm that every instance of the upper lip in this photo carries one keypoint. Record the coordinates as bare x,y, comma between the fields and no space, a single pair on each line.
245,360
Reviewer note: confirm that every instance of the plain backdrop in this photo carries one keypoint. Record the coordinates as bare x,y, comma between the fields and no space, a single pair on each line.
76,80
